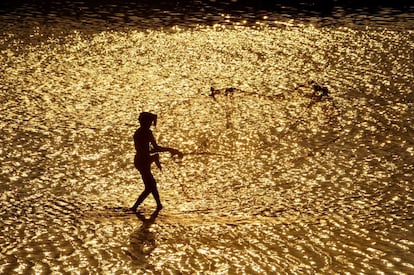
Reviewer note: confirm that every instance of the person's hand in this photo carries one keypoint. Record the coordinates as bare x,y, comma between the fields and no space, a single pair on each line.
175,152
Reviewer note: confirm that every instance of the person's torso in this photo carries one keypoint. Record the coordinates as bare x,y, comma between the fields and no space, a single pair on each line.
142,139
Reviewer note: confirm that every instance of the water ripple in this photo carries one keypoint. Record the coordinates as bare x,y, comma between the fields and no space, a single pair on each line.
276,178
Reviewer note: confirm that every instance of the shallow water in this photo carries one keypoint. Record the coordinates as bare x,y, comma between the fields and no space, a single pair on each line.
273,179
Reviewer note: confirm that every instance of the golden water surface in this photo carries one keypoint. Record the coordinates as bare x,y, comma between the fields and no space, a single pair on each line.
274,179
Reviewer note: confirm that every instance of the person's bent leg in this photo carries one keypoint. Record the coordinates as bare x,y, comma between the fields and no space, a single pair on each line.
146,178
151,184
150,187
140,199
156,196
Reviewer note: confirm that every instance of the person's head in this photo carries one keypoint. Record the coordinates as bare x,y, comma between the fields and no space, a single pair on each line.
146,119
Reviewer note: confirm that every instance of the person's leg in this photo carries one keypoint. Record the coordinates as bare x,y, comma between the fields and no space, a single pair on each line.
146,178
156,196
140,199
150,187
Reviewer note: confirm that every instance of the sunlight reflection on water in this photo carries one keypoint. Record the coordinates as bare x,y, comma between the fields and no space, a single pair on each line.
273,180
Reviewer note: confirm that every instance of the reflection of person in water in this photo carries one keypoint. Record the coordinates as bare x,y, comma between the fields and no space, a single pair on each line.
143,239
146,149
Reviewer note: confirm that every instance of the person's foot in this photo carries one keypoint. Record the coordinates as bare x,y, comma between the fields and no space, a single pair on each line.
133,209
159,207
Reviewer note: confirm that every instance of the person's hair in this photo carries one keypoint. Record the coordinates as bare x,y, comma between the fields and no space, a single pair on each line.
147,117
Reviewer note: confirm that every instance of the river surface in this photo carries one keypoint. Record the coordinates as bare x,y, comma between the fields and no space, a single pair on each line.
276,177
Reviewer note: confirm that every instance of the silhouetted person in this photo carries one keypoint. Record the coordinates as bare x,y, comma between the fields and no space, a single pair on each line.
145,146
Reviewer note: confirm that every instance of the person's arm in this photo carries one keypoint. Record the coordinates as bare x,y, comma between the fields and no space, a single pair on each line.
156,148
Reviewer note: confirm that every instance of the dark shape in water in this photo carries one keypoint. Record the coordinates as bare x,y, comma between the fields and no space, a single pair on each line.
227,92
319,91
231,91
410,98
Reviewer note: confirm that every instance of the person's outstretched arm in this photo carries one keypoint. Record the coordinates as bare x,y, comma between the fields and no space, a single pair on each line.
156,148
